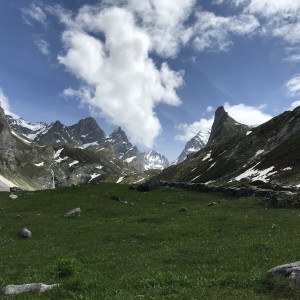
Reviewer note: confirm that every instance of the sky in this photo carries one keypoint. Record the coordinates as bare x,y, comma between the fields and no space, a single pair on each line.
157,68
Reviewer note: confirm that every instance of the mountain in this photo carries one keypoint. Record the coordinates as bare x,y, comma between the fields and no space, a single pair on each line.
87,134
268,153
195,144
224,126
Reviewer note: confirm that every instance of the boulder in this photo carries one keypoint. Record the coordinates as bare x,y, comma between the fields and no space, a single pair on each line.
212,203
183,209
12,196
25,288
115,198
73,213
25,233
291,271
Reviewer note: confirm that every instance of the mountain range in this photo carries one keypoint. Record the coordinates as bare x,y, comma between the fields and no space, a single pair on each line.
87,134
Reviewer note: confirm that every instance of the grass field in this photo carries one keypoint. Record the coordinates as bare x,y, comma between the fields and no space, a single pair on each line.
143,248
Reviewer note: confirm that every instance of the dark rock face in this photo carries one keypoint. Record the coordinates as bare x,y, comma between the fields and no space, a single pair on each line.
224,126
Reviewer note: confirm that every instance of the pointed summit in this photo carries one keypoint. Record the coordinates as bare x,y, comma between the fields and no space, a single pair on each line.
224,126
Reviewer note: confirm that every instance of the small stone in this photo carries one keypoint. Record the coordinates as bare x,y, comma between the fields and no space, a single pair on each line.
12,196
73,213
212,203
183,209
115,198
25,233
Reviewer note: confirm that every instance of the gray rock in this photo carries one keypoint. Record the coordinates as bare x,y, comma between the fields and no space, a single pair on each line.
115,198
183,209
12,196
25,233
212,203
291,271
73,213
25,288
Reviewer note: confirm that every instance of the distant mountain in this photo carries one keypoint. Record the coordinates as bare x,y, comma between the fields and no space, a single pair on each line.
268,153
87,134
194,145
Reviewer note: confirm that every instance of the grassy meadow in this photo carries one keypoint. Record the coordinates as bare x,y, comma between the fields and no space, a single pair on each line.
142,247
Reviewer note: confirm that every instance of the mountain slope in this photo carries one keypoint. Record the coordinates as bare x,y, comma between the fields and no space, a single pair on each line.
194,145
267,153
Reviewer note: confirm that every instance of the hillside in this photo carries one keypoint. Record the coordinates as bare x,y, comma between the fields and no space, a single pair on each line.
267,153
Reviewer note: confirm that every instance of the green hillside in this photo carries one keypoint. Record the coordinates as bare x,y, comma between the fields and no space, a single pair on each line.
142,247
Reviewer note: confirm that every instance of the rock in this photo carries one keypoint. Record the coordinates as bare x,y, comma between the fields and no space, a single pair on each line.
12,196
183,209
73,213
25,233
15,189
291,271
115,198
25,288
212,203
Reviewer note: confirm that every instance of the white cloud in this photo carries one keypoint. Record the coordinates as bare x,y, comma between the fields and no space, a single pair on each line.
34,13
42,45
4,100
122,81
248,115
294,105
293,86
214,33
209,109
190,130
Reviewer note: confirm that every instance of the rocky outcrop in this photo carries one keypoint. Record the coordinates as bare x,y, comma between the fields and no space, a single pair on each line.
224,126
290,271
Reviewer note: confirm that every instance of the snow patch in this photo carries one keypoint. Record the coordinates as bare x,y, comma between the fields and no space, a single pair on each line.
130,159
20,138
248,132
99,167
287,169
57,153
73,163
139,181
259,152
207,156
6,181
93,176
90,144
40,164
120,179
254,174
196,178
211,166
194,169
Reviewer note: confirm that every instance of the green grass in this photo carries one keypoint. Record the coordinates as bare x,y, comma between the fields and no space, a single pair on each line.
143,248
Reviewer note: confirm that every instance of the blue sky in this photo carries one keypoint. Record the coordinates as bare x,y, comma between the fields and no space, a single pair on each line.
158,68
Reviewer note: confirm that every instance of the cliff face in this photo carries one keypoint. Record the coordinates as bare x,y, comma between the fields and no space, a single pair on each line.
224,126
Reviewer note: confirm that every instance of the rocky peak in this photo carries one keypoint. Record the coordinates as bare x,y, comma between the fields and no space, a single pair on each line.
224,126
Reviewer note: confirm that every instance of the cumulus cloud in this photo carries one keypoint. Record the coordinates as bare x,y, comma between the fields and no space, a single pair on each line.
120,79
34,13
4,100
190,130
293,86
294,105
248,115
209,109
215,33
